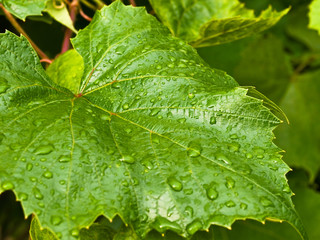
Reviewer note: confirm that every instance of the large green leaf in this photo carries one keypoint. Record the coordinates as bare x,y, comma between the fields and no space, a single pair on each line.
23,8
314,15
153,134
205,23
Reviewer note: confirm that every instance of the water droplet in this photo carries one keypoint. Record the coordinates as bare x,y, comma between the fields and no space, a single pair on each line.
55,220
222,158
7,185
75,232
193,227
265,202
243,206
162,224
43,150
188,191
189,211
175,184
29,166
147,164
47,174
234,147
213,120
105,117
191,95
154,112
286,189
249,155
195,151
115,85
230,204
212,193
181,120
62,182
23,196
125,106
121,49
230,183
127,159
65,158
37,194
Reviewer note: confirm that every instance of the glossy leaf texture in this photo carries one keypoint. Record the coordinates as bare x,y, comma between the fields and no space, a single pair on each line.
314,15
153,135
205,23
23,8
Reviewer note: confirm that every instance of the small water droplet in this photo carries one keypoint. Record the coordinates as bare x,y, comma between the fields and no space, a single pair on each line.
212,193
125,106
181,120
56,220
47,174
175,184
213,120
62,182
189,211
222,158
286,189
105,117
23,196
44,150
193,227
7,185
243,206
234,147
127,159
265,202
154,112
75,232
65,158
230,183
121,49
37,194
249,155
188,191
115,85
29,166
230,204
191,95
194,152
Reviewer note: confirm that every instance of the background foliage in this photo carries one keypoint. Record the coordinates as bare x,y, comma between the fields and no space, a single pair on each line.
283,63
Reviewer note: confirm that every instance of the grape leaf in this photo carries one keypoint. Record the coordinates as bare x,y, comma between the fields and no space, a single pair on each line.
67,70
60,14
153,135
206,23
23,8
314,15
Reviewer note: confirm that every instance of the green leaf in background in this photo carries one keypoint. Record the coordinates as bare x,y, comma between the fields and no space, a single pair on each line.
301,104
314,15
154,135
67,70
23,8
206,23
60,13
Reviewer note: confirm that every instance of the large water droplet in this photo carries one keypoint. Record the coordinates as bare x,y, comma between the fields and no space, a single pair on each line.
127,159
23,196
43,150
37,194
212,193
56,220
189,211
162,224
175,184
7,185
193,227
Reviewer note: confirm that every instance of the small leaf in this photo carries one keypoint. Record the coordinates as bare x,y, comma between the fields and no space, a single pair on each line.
67,70
154,135
60,13
23,8
206,23
314,15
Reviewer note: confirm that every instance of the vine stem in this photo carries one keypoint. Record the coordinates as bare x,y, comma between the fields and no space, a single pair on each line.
17,26
133,3
73,8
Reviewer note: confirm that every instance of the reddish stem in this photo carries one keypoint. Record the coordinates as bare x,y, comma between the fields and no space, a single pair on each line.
73,8
46,60
133,3
85,16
